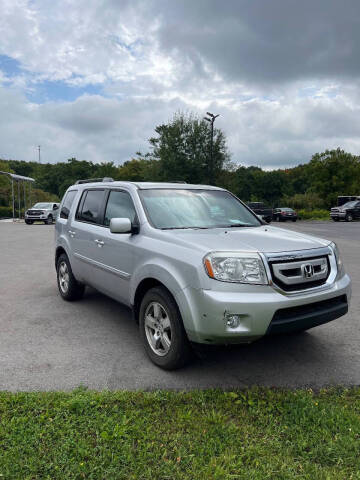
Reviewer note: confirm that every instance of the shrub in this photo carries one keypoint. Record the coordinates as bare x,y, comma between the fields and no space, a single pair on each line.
313,214
6,212
308,201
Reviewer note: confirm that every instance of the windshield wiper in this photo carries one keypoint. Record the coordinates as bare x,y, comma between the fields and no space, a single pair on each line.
185,228
233,225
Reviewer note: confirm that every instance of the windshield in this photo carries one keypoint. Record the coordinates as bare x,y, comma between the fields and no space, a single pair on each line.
350,204
176,208
43,205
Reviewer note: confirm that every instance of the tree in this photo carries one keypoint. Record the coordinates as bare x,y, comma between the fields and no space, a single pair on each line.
182,148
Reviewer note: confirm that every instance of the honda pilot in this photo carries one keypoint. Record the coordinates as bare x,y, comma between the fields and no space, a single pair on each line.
195,264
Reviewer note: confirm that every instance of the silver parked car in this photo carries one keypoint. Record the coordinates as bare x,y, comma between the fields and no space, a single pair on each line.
195,264
46,212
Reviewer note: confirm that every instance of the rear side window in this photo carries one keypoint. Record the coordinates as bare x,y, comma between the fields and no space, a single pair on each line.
91,206
67,203
119,205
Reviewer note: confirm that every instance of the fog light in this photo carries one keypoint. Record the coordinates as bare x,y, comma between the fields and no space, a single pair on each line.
232,320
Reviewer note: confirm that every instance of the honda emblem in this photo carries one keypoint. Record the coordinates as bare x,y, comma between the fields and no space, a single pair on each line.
308,270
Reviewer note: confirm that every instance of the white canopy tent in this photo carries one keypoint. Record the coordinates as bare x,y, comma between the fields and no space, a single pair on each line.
21,185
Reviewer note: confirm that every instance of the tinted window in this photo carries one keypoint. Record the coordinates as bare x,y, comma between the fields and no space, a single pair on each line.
91,207
119,205
69,198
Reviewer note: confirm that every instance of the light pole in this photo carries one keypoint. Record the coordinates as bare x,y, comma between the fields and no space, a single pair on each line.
211,120
39,147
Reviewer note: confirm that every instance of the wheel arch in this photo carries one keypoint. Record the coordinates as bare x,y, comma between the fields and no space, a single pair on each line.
143,287
59,251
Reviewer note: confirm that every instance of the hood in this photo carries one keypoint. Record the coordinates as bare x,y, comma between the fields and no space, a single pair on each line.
263,239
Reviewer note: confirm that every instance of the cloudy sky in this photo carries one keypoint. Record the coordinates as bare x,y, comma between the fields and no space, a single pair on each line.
92,78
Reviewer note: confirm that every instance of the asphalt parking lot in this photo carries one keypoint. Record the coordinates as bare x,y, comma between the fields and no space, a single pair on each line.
48,344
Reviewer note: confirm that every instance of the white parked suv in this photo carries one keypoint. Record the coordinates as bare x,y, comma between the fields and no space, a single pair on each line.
46,212
195,264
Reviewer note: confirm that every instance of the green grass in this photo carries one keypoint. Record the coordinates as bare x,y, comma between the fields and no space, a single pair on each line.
252,434
313,214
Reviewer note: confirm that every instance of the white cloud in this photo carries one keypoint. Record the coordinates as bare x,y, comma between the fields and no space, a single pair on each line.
284,79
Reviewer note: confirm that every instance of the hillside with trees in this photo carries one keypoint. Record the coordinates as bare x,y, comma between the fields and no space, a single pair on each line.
179,151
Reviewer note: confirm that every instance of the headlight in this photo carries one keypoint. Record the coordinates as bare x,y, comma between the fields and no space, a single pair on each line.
340,266
236,267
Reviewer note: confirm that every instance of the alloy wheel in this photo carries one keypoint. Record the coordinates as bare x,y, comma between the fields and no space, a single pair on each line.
63,277
157,328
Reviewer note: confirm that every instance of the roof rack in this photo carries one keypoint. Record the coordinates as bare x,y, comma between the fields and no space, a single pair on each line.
94,180
176,181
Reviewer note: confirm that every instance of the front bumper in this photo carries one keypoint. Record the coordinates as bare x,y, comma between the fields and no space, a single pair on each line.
203,311
338,215
35,217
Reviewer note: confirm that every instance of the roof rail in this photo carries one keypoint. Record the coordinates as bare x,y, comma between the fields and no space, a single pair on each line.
176,181
94,180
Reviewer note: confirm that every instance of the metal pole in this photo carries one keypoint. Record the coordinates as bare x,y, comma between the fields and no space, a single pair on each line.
19,199
211,153
39,154
13,198
211,162
24,185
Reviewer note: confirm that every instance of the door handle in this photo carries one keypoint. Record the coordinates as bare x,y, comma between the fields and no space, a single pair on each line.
72,233
99,242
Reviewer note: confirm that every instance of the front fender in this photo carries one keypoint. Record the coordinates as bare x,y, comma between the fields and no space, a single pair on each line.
160,273
175,278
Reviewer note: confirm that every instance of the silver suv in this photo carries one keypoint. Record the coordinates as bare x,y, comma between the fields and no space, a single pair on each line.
46,212
195,264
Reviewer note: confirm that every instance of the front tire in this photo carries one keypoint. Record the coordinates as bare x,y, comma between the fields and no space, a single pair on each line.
162,330
49,220
29,222
349,217
70,289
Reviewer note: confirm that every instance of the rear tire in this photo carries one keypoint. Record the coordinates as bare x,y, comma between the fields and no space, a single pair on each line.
294,219
70,289
162,330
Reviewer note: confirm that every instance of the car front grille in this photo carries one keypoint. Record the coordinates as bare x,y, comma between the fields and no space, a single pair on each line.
300,274
35,212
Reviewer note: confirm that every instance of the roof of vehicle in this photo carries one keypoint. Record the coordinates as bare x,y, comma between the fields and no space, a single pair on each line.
150,185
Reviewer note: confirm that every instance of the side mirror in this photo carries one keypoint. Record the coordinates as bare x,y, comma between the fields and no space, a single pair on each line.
55,207
120,225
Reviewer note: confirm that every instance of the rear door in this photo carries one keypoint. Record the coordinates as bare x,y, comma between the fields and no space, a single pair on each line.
83,233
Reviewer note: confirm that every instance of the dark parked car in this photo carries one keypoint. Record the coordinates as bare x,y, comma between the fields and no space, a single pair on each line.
283,214
349,211
261,209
